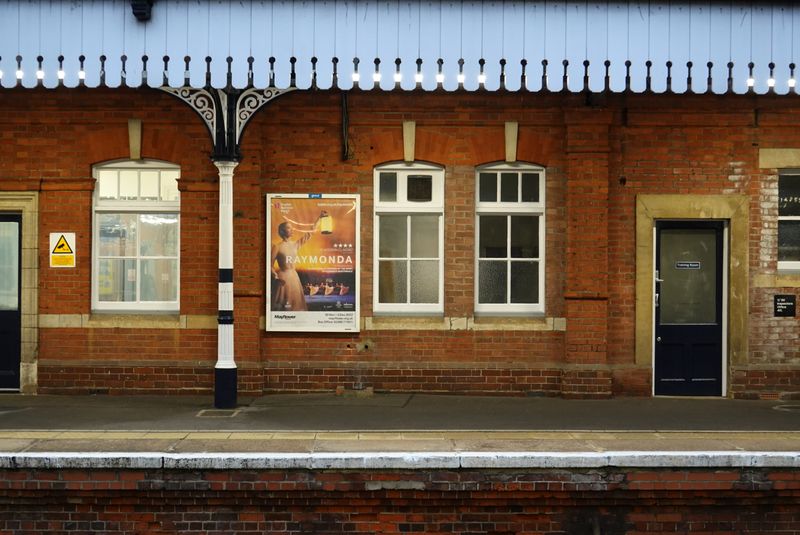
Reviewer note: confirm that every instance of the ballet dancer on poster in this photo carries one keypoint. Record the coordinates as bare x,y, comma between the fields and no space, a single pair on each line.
287,290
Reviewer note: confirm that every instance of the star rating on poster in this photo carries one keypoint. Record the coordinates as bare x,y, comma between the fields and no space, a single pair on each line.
343,245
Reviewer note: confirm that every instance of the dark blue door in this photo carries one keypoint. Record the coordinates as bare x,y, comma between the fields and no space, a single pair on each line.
10,315
688,333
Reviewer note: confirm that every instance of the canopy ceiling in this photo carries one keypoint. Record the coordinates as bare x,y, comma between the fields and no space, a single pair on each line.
452,44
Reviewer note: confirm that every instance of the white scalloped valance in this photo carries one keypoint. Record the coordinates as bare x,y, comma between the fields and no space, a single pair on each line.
515,45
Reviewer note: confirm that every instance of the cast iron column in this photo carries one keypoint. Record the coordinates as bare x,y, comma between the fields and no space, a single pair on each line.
226,113
225,392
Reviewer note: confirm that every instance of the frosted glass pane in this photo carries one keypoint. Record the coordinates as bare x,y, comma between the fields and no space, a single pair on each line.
424,281
159,280
488,187
530,187
393,237
689,271
392,282
492,242
9,265
129,185
789,241
158,234
169,185
149,188
524,282
509,187
116,280
492,282
388,187
524,237
424,236
107,184
116,234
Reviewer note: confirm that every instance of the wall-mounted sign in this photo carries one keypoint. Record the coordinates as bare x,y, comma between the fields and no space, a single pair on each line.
687,265
313,263
785,306
62,249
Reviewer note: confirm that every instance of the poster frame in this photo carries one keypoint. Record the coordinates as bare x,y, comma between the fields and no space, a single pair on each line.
351,327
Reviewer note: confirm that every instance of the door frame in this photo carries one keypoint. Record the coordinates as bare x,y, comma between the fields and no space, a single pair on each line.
733,208
26,203
724,361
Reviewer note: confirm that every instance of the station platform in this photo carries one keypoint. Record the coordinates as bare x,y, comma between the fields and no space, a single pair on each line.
396,431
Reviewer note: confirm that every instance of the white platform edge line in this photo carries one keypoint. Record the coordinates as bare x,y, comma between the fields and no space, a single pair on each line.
404,460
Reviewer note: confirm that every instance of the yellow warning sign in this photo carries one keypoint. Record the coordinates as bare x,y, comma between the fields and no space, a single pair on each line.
62,247
62,261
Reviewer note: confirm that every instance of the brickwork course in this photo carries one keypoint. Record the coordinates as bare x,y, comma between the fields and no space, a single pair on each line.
472,501
600,154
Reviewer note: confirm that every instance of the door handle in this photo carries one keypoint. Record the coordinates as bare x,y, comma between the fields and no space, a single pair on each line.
658,338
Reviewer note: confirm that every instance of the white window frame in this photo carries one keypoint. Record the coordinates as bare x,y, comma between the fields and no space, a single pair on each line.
404,207
139,206
509,209
787,265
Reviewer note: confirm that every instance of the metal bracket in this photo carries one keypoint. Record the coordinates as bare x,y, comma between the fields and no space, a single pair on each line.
226,113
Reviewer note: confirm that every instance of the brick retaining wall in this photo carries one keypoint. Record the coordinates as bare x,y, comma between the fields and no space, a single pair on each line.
524,501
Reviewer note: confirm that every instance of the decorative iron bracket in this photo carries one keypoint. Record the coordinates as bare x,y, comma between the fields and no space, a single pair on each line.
226,113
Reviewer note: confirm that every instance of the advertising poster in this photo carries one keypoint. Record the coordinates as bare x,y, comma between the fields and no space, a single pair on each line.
312,268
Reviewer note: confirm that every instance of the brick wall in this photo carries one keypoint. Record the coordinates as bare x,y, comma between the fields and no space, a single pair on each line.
598,158
607,501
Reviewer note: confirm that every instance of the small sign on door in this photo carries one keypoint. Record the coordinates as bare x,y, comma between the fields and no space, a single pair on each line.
785,306
687,265
62,249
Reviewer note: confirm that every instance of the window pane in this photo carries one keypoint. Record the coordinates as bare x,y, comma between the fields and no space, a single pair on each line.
388,187
524,236
107,184
424,236
530,187
789,241
149,185
488,187
158,234
9,265
393,236
169,185
129,185
425,281
508,187
116,234
789,195
493,237
419,188
392,281
688,295
116,279
492,282
159,280
524,282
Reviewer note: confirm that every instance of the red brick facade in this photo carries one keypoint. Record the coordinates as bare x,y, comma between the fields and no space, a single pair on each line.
634,501
598,157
